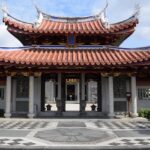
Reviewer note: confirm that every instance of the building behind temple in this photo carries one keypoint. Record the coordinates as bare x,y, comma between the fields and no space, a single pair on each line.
73,67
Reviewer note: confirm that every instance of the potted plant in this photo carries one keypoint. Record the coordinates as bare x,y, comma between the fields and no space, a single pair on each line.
93,107
48,107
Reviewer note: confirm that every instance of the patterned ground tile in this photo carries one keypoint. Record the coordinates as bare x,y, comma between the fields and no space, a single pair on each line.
23,124
122,125
74,135
18,142
130,142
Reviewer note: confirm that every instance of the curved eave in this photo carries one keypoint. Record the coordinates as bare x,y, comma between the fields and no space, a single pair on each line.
45,57
96,26
123,36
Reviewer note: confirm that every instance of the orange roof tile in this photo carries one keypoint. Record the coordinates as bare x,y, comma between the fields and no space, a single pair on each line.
74,57
95,26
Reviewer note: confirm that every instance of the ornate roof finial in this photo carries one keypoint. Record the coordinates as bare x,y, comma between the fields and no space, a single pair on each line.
137,10
105,9
40,15
36,7
4,8
104,15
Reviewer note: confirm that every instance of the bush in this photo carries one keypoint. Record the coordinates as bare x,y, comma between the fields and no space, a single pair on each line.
145,113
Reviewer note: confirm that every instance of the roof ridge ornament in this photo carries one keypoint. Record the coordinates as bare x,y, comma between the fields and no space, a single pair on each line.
36,7
105,8
98,16
103,15
137,10
38,21
40,17
4,8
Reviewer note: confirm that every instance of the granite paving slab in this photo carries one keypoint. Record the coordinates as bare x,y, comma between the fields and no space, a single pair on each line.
133,133
71,124
14,133
75,135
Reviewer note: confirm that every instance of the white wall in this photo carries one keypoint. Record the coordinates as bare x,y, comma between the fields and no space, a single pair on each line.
143,104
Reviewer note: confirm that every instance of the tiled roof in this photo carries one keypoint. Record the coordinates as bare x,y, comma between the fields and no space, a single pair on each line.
95,26
74,57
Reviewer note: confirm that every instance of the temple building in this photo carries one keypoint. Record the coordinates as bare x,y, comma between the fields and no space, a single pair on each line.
73,67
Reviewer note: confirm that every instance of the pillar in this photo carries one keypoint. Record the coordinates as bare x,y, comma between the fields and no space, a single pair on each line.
89,91
78,92
59,86
82,99
42,94
60,102
128,90
8,98
83,86
104,94
99,95
63,92
31,97
111,96
134,96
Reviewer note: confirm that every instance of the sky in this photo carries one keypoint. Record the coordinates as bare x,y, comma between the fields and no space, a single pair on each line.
118,10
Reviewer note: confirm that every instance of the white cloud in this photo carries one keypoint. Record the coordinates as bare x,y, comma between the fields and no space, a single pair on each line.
6,39
144,32
118,10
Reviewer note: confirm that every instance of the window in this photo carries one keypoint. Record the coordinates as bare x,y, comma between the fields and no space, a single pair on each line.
49,91
92,91
22,87
119,87
1,93
144,93
71,40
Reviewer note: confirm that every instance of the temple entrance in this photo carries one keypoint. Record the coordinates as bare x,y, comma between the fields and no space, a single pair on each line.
72,94
49,93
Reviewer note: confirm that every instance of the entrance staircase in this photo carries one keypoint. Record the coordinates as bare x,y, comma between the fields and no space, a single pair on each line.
72,114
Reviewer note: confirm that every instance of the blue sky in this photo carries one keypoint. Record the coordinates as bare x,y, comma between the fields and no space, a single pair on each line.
118,10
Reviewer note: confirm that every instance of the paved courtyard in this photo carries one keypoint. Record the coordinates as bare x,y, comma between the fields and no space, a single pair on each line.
74,133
